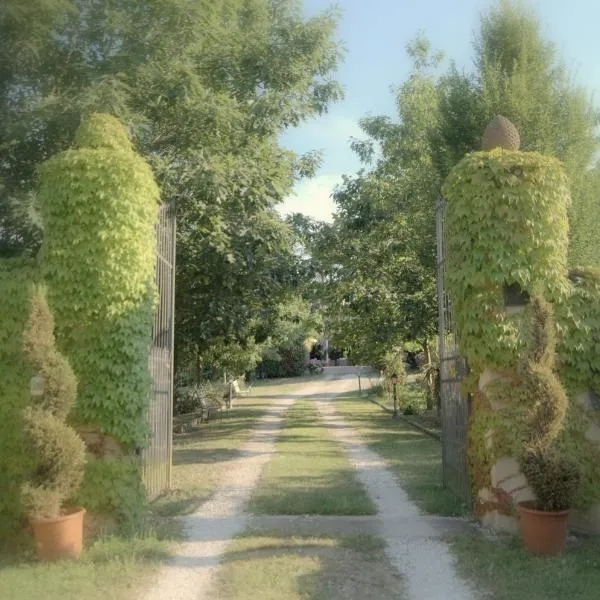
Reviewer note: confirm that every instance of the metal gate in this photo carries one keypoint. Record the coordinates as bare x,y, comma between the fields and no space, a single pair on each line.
157,456
456,408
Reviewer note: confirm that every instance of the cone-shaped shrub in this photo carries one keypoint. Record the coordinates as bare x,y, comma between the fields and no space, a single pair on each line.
553,476
59,451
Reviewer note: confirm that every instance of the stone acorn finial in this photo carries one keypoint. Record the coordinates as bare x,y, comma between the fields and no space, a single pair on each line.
500,133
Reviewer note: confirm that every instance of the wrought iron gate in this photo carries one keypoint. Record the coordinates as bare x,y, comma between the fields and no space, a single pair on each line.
157,456
453,368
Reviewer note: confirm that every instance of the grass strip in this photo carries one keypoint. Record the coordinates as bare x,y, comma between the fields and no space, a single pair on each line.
271,567
309,473
110,568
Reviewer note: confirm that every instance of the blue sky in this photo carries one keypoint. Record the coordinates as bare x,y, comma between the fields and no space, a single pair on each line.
375,33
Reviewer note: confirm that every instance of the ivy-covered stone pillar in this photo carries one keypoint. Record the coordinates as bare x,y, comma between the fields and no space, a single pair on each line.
507,232
99,204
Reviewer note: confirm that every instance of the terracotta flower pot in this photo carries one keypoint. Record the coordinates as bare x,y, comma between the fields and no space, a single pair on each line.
544,533
61,537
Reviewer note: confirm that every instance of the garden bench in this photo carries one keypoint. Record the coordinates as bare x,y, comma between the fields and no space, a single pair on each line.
211,408
182,423
241,391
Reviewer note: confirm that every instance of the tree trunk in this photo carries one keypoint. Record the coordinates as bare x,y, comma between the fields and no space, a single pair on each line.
427,351
198,366
430,377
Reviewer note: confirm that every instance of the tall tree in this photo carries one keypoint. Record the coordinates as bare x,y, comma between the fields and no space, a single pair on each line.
383,289
206,88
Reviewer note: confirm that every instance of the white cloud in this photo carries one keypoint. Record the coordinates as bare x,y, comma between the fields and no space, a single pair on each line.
312,198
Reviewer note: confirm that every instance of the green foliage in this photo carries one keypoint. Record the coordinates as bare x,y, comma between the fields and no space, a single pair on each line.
440,120
393,364
60,457
382,248
553,478
517,71
99,207
206,88
102,131
431,378
59,452
286,352
60,384
287,360
193,398
115,487
538,376
579,344
506,224
16,461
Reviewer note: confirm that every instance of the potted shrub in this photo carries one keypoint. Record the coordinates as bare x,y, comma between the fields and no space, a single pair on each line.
553,477
554,480
59,451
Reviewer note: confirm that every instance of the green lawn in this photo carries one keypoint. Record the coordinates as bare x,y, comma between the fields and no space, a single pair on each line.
271,567
503,568
414,457
110,569
309,473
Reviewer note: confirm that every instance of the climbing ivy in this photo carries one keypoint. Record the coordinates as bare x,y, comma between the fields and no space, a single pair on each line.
579,321
17,277
99,205
114,487
506,225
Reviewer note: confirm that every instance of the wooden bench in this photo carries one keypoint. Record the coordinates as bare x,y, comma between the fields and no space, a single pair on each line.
183,423
241,391
211,408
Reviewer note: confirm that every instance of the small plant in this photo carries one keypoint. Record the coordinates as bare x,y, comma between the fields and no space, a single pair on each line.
60,452
315,366
554,478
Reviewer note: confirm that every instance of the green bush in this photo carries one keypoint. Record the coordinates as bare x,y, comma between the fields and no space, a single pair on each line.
99,205
507,229
553,477
17,277
191,400
538,375
60,457
114,486
288,359
392,363
59,452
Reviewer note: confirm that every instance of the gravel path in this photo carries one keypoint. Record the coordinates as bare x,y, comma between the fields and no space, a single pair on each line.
412,544
208,531
414,547
190,575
